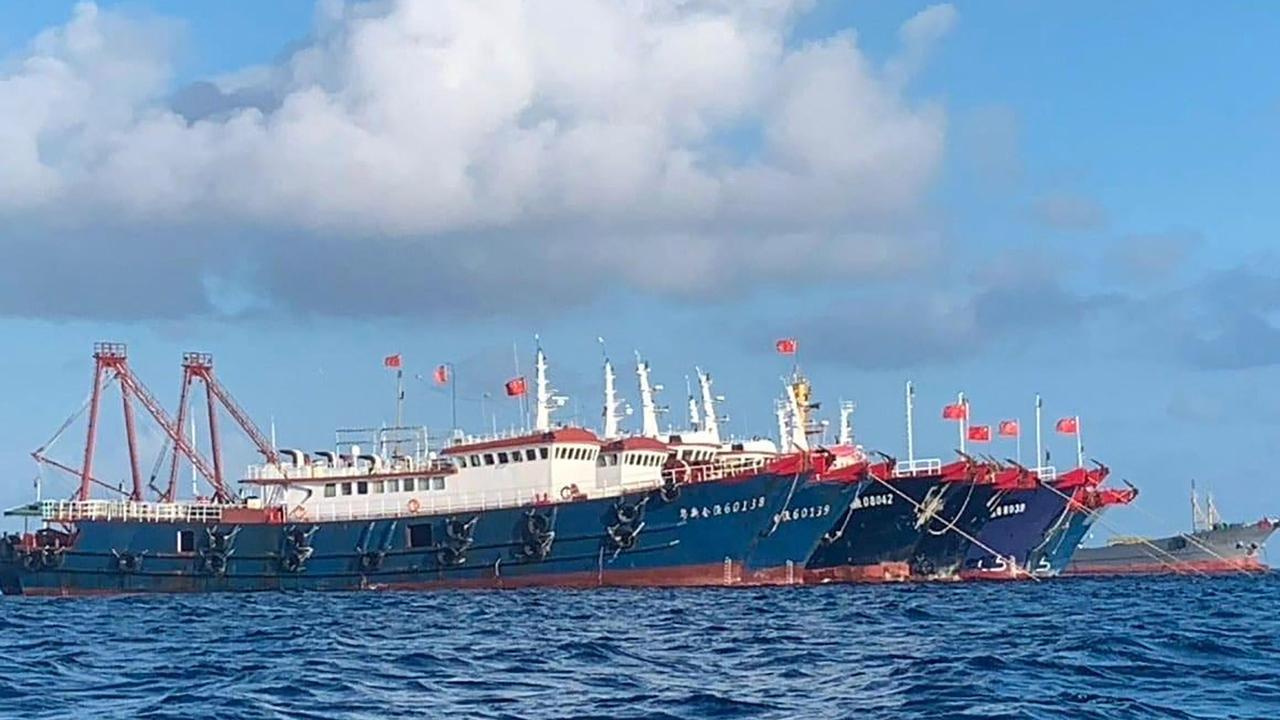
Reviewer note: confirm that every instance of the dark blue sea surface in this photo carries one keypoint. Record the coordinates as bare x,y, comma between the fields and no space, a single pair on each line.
1124,648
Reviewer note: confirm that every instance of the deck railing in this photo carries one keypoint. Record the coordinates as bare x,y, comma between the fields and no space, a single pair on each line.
920,466
75,510
716,470
444,503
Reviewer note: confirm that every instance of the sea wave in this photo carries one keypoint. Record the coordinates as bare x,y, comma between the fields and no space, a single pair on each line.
1088,648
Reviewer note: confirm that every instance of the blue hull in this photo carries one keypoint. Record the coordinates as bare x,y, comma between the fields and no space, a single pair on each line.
712,533
876,538
1021,522
798,530
1062,543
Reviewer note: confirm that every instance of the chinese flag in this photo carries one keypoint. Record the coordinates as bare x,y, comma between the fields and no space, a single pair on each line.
1009,428
515,387
954,412
980,433
442,375
786,346
1068,426
391,361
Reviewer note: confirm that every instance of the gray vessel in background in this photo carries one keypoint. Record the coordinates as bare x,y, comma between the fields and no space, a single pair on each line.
1213,547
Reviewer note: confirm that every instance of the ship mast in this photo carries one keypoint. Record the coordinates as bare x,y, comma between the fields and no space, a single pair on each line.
648,408
611,402
694,422
798,399
784,432
542,417
710,421
846,422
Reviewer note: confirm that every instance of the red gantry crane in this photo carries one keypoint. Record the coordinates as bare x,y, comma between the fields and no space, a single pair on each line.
111,362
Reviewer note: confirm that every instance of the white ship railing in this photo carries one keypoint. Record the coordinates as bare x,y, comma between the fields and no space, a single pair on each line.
718,470
1047,472
921,466
445,503
73,510
320,471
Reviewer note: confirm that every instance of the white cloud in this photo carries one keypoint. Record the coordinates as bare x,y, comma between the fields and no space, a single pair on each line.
603,134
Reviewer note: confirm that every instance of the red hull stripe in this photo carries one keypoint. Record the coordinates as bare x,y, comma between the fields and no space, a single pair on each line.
710,575
881,572
1209,567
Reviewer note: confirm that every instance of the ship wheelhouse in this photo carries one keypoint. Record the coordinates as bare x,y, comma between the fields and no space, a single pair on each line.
630,462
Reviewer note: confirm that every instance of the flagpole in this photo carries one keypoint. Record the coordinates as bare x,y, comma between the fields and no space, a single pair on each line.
1018,438
1079,444
399,395
964,419
911,440
453,395
1039,451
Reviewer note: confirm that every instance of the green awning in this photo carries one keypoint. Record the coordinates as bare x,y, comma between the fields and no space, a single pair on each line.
28,510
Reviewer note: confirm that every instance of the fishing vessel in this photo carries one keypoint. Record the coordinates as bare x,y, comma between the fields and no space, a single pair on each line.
1089,501
875,539
1024,511
797,528
910,519
1212,547
552,506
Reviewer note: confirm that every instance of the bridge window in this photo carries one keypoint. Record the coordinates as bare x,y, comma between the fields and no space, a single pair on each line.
475,461
393,485
542,453
376,487
420,535
503,458
330,490
346,488
517,456
362,488
186,541
437,483
488,458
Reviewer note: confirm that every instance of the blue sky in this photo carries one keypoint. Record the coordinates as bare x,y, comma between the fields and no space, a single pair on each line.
1076,200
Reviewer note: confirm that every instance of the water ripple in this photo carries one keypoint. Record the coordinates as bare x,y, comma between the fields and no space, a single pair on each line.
1179,648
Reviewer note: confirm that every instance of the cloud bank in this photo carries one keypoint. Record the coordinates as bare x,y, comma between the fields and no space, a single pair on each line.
412,158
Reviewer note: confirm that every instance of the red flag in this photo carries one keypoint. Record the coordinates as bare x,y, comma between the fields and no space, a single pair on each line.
980,433
391,361
955,412
442,375
1009,428
786,346
1068,426
515,387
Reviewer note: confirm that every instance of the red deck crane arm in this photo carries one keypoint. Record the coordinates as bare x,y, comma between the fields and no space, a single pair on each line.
171,429
242,419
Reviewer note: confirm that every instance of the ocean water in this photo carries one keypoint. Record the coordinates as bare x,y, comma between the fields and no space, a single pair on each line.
1124,648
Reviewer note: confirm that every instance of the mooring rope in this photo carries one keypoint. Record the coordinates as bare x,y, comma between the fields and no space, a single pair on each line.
1097,516
951,524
